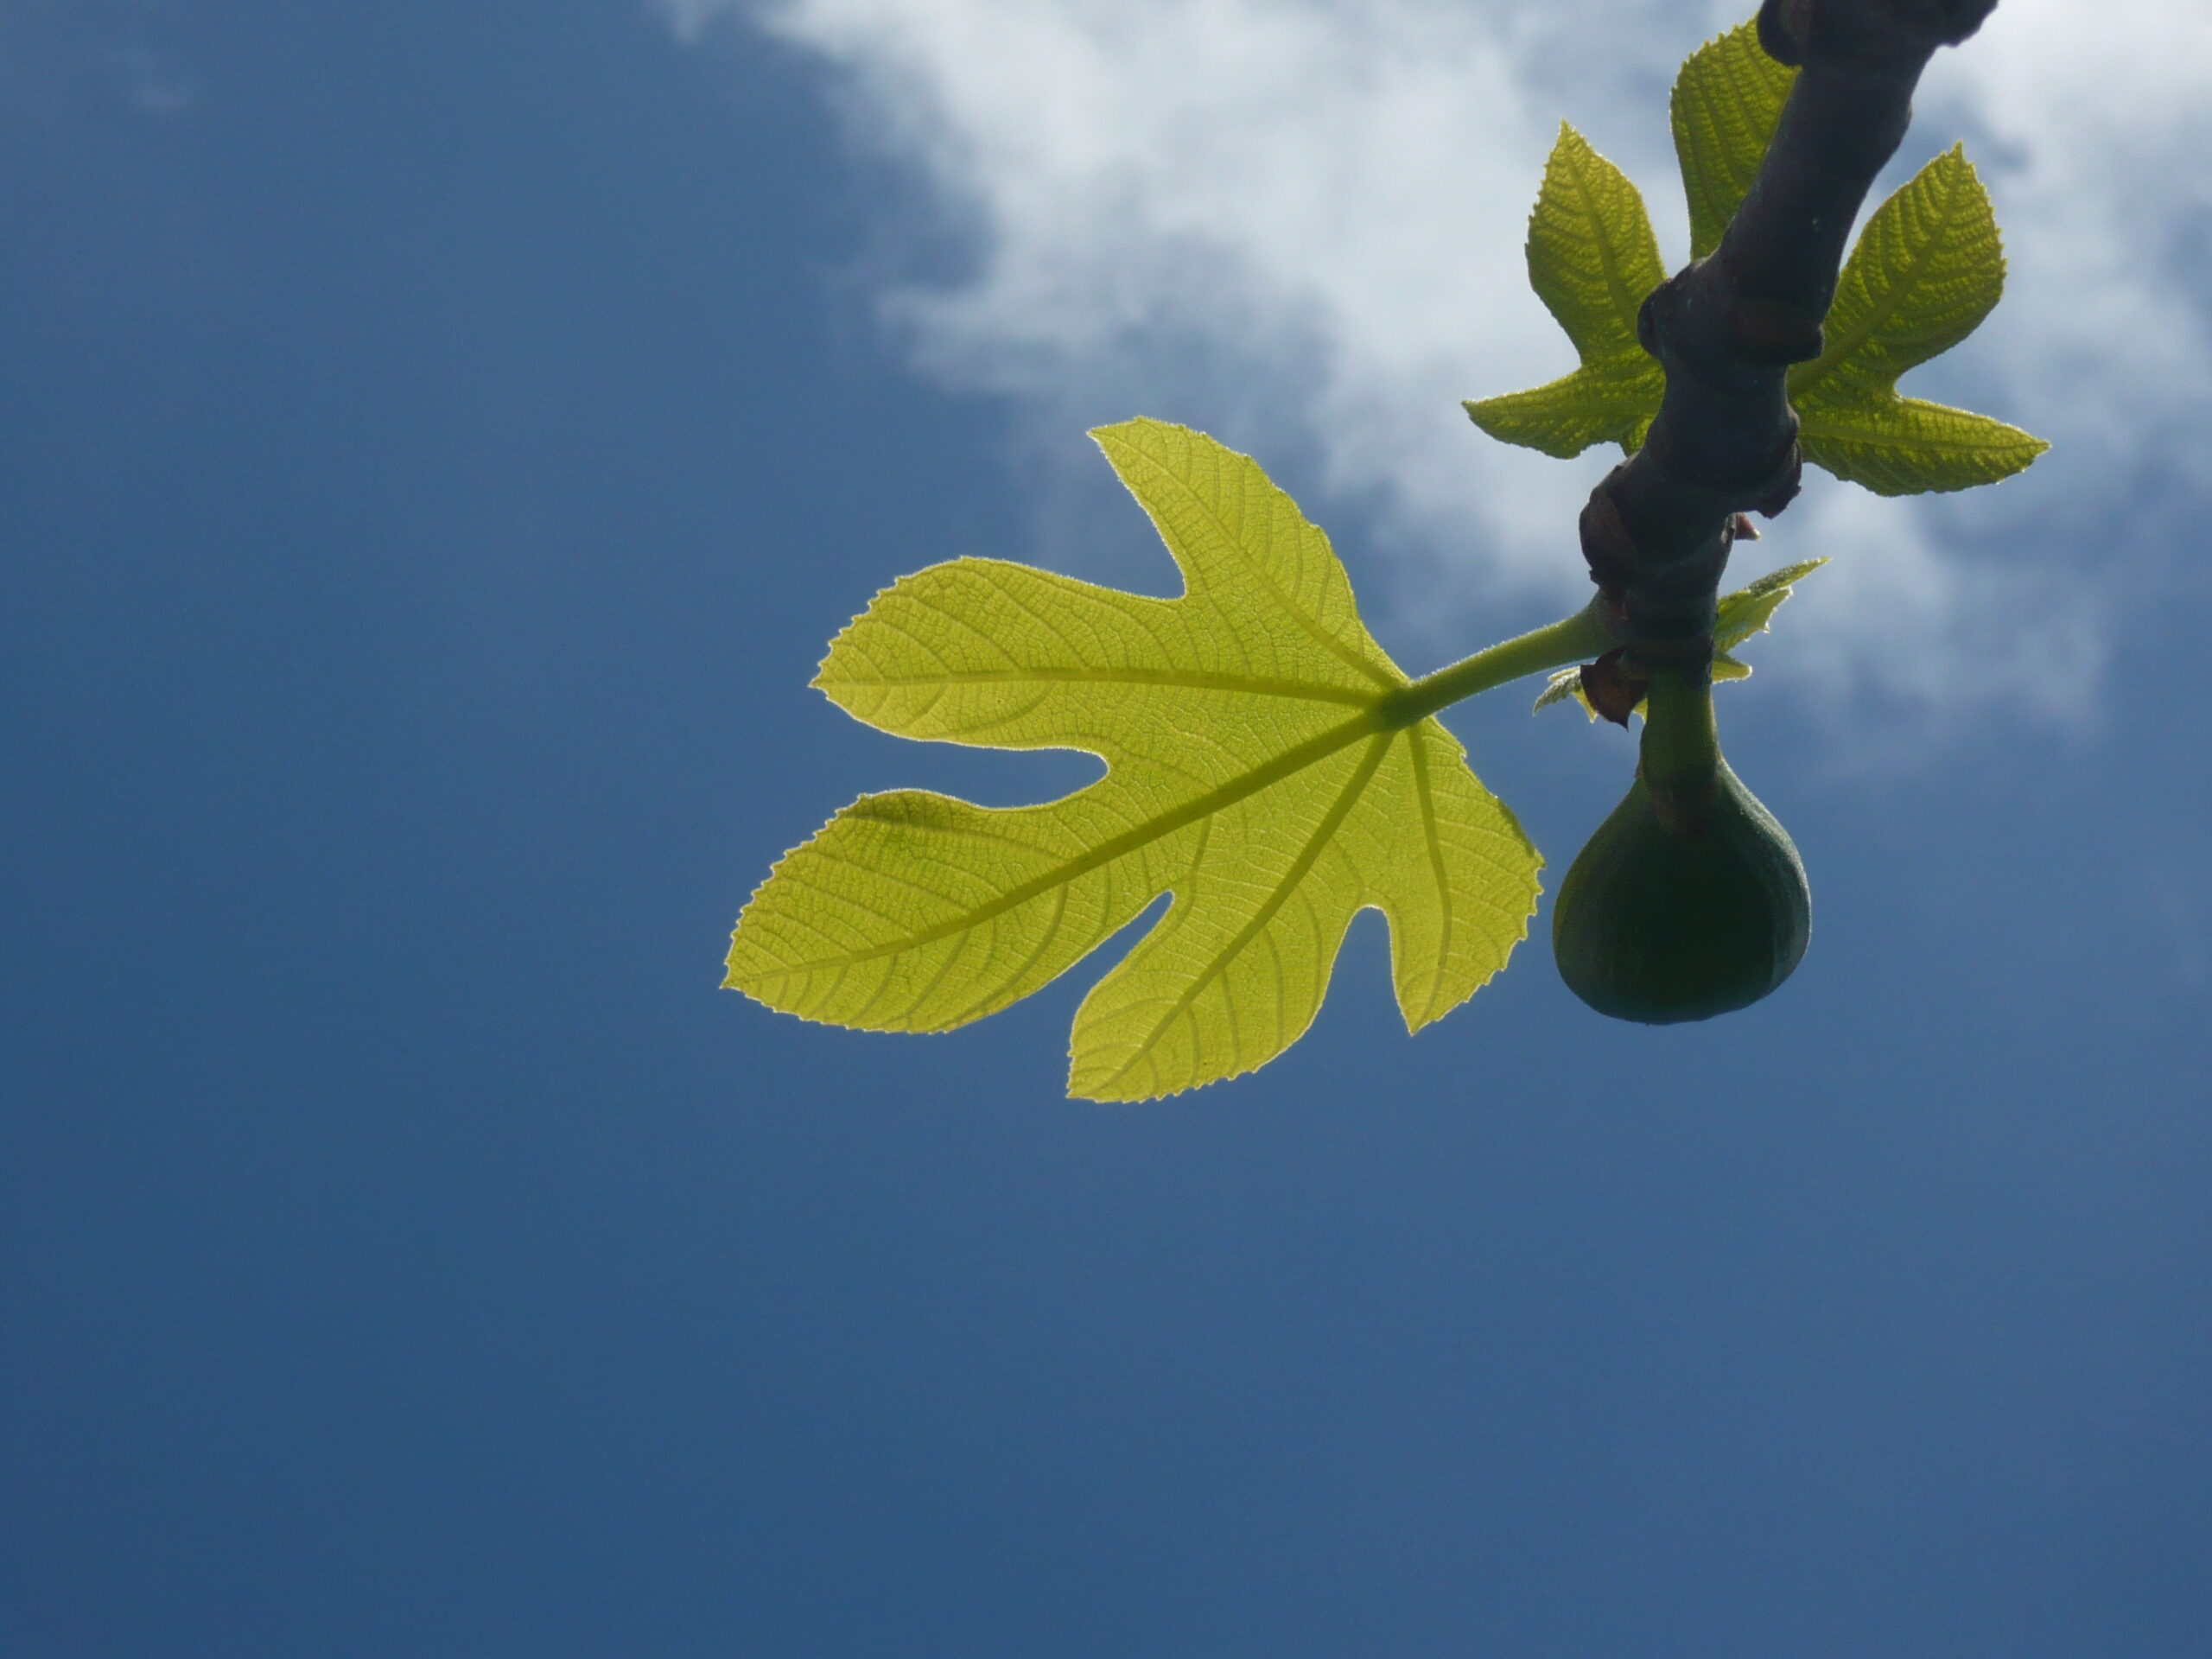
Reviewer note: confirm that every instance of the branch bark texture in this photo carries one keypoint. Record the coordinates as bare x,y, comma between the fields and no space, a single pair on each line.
1656,533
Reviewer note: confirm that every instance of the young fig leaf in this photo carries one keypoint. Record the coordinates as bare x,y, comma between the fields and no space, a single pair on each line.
1751,608
1592,259
1727,101
1739,616
1926,270
1258,769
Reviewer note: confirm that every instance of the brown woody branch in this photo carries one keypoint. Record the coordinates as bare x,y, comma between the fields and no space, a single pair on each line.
1658,530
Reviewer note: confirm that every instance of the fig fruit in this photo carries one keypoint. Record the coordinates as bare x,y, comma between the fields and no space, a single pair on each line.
1685,904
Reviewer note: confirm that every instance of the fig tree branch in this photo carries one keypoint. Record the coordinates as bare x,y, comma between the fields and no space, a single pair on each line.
1656,533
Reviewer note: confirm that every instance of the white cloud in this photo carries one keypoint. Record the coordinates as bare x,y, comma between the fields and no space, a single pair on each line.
50,55
2091,123
1298,222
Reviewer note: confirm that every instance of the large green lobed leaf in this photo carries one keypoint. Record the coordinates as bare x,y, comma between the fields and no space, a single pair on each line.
1256,770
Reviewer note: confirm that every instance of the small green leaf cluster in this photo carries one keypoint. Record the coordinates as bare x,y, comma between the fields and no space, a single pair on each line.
1926,269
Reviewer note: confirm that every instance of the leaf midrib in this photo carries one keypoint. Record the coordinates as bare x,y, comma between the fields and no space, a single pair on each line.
1324,832
1302,690
1625,309
1309,624
1832,362
1878,436
1446,919
1314,750
1609,385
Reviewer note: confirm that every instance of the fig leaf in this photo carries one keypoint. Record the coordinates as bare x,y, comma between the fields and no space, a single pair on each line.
1260,767
1592,259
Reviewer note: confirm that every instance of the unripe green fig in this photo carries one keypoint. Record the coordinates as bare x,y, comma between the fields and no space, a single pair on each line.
1689,901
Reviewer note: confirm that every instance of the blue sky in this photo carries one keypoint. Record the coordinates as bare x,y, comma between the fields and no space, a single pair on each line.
436,444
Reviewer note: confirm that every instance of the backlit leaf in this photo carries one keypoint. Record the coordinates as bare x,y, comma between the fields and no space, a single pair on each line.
1592,259
1563,418
1926,270
1256,770
1727,100
1751,608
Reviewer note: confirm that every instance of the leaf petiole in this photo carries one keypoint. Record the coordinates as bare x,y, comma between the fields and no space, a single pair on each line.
1577,638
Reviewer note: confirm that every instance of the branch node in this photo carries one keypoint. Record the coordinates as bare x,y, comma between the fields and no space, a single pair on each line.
1789,480
1773,332
1607,548
1612,691
1783,27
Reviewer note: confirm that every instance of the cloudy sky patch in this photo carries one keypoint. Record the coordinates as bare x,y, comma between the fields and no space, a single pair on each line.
1298,224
